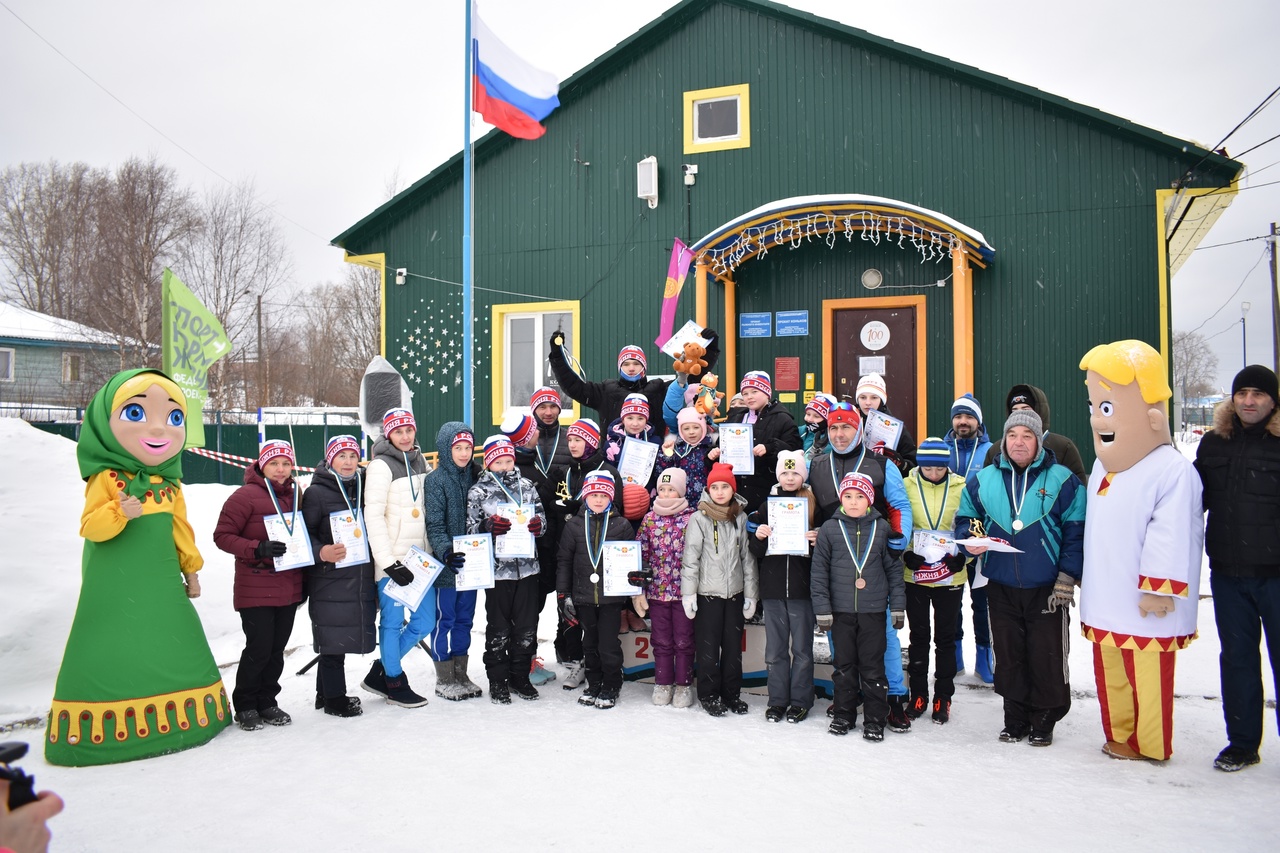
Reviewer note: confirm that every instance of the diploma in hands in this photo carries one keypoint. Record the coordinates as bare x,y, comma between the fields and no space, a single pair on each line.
737,447
298,542
619,559
788,524
348,531
477,573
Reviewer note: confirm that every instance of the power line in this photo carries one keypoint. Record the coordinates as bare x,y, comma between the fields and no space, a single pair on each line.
1234,242
1256,147
1252,113
1264,253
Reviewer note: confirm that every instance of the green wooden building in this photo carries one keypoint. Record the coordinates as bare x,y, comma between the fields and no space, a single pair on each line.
856,204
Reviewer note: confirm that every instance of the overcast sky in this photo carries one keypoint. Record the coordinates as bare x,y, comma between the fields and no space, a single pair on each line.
325,104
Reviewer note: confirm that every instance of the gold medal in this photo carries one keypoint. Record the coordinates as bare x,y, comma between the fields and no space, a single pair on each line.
356,533
415,512
860,583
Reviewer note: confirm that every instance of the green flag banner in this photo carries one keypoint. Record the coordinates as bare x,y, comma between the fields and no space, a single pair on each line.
193,340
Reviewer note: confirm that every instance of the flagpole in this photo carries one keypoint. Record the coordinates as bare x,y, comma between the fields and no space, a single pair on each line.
468,325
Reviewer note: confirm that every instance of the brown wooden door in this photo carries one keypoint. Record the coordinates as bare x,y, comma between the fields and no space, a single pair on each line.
880,340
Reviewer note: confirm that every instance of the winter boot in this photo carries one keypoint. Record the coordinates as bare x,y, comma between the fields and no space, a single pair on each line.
589,696
775,713
985,666
662,694
1230,760
250,721
466,687
447,686
682,697
524,689
796,714
1014,732
714,706
400,694
919,704
499,693
376,681
941,710
273,716
840,726
343,706
873,732
607,699
539,674
736,704
1040,737
959,657
575,673
898,720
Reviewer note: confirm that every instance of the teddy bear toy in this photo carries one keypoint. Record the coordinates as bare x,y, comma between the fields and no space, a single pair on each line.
691,361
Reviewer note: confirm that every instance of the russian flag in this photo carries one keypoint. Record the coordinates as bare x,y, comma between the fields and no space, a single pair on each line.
508,92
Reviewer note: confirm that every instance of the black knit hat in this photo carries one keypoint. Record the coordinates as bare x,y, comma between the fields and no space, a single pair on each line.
1257,376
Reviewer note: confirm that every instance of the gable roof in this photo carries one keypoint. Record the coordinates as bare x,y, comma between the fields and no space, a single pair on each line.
674,18
18,323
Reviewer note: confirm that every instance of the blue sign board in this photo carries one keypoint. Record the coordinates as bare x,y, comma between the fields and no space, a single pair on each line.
793,324
758,325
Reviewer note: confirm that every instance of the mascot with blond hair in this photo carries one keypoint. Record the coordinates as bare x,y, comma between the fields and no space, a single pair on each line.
1142,548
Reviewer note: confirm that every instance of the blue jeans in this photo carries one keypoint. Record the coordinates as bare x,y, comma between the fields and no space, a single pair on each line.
893,658
1242,608
455,614
395,636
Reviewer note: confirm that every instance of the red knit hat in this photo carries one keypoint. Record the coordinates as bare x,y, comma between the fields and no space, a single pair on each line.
722,473
822,403
632,351
274,448
544,394
859,482
463,436
396,418
635,404
518,427
598,482
587,430
844,413
758,380
337,444
496,447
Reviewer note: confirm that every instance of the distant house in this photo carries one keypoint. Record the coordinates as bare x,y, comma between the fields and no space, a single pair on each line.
50,362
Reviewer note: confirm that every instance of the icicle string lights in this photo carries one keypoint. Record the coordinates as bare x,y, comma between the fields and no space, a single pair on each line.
931,243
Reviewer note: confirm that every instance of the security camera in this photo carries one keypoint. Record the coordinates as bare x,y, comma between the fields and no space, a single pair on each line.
400,274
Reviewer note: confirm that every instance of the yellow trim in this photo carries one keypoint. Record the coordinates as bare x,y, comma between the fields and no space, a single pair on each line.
377,261
498,375
728,380
917,304
743,91
700,295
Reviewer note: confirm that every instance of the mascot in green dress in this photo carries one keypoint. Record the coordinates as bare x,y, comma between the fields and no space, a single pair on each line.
137,677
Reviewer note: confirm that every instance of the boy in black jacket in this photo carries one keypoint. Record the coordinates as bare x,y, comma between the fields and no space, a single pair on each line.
774,431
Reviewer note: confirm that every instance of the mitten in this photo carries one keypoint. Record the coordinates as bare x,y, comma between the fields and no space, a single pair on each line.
568,612
498,524
193,585
825,621
954,563
748,608
269,548
571,506
400,573
690,605
535,526
641,604
1064,592
557,339
640,578
454,560
913,560
899,618
753,524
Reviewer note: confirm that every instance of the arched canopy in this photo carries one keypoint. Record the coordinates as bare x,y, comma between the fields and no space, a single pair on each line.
827,218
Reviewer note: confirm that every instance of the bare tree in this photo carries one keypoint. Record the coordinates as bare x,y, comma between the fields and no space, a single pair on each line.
1194,365
341,333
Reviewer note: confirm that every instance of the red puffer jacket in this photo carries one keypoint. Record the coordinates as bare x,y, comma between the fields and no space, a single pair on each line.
239,531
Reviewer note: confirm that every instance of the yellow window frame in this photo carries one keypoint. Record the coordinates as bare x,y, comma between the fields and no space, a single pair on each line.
743,93
498,362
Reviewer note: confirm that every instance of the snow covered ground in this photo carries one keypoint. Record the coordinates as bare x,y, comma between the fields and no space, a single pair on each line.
553,775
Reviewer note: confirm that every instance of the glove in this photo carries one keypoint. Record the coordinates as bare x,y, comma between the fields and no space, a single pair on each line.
690,605
954,563
454,560
752,526
498,524
269,548
899,618
1064,592
568,612
535,526
878,448
825,621
710,335
399,573
748,608
913,560
641,604
895,553
571,506
640,578
557,339
1155,605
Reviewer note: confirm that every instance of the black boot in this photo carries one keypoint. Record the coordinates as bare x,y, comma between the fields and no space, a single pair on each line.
399,693
343,706
376,681
898,720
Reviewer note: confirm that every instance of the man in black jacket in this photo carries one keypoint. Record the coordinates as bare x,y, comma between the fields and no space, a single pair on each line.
1064,449
1239,464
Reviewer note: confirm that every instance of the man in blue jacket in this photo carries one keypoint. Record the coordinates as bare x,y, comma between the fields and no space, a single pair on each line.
1038,506
969,445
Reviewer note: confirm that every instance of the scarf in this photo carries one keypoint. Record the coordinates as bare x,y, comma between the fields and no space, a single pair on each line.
98,450
670,506
716,512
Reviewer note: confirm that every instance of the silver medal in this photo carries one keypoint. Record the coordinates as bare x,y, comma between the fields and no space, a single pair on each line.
595,577
1017,525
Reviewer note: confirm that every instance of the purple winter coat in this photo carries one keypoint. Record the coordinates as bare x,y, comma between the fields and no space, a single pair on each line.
694,463
661,539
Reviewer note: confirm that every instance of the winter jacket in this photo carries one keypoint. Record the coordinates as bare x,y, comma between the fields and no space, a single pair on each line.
1240,469
240,529
904,457
782,576
393,504
573,576
776,430
968,455
606,397
717,561
1052,537
569,482
682,397
814,437
445,498
482,505
692,459
342,601
933,507
544,467
835,575
1063,448
661,539
891,495
615,436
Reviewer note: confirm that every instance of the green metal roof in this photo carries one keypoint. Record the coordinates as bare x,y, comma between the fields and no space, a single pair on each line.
675,17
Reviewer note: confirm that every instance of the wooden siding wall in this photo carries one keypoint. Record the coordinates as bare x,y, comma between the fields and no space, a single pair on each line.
1068,205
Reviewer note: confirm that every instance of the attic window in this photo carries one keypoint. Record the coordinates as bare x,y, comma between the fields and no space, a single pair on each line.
717,119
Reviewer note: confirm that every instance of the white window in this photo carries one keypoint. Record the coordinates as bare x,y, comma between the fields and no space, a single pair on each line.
71,364
6,365
526,337
717,119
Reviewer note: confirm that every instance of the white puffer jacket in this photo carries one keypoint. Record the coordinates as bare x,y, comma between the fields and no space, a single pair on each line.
394,513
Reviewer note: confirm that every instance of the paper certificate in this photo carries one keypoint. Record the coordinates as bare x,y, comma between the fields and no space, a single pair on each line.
299,542
690,332
788,523
991,545
425,568
933,545
478,571
878,427
518,541
348,531
737,447
636,464
619,559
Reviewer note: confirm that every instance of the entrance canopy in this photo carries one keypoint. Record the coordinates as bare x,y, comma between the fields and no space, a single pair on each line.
827,218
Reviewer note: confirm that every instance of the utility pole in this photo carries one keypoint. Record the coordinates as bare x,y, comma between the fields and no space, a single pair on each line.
1275,305
262,383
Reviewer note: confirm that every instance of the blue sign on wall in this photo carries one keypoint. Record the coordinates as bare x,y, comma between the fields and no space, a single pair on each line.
756,325
793,324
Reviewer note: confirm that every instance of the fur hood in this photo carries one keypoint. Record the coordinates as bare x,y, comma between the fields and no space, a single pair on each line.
1226,424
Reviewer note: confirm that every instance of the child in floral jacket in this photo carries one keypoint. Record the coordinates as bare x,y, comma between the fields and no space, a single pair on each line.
661,538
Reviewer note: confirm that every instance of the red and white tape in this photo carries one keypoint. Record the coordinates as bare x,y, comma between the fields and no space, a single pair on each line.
232,459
